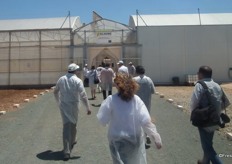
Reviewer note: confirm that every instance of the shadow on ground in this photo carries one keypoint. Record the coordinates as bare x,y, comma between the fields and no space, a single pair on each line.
50,155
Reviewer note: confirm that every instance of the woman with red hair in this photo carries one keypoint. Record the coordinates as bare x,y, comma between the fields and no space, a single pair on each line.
128,119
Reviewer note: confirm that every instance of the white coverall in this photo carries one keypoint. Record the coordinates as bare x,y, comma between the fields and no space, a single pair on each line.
127,122
123,69
146,89
68,92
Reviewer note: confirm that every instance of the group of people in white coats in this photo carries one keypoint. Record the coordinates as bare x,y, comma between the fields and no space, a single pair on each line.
105,76
126,113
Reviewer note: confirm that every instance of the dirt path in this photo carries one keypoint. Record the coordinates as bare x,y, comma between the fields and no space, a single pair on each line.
33,135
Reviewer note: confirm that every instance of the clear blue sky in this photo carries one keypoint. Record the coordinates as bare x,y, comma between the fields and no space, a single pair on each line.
118,10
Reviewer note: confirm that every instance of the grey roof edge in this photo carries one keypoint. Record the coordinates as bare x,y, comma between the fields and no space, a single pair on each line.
75,20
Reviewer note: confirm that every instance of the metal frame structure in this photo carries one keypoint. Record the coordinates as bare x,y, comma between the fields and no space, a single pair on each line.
37,57
121,36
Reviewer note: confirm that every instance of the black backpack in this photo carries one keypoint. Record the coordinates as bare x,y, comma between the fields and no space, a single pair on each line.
205,116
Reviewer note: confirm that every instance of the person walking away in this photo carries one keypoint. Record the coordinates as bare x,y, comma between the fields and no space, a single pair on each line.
106,78
122,68
92,75
99,70
146,89
85,74
68,92
127,118
200,100
131,69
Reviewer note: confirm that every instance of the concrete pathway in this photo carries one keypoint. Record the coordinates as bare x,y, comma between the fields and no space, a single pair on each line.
33,135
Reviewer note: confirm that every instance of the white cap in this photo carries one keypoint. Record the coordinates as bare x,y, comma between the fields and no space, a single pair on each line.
73,67
120,62
86,65
130,63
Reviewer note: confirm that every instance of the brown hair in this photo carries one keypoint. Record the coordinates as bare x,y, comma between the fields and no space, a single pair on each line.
127,87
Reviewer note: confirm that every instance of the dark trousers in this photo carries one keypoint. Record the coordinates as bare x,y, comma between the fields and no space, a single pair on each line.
86,82
104,94
207,146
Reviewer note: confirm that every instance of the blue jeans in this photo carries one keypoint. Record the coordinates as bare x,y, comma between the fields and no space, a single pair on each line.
207,146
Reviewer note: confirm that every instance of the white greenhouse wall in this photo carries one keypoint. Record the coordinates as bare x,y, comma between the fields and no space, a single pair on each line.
169,51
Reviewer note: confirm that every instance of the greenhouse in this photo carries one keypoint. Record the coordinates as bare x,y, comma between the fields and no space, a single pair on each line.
36,52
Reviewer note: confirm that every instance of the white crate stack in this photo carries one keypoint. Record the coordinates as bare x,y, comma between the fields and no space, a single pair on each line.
191,79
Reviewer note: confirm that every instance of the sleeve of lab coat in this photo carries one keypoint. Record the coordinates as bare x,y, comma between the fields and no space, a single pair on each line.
83,95
104,113
148,127
56,92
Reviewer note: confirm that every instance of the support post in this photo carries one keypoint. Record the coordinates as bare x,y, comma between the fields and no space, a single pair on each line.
199,14
9,60
71,46
40,58
85,60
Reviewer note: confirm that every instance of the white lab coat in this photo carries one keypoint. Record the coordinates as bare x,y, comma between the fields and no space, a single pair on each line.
99,70
85,71
68,92
123,69
127,122
132,70
107,75
146,89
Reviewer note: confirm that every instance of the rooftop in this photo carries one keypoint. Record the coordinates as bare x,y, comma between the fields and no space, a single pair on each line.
181,19
39,23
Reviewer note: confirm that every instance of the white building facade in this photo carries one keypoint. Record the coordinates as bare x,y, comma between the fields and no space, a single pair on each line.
177,45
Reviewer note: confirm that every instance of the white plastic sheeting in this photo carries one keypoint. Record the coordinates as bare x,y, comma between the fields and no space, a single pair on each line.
39,23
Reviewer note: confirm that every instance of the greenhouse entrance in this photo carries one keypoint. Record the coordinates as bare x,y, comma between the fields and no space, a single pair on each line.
102,55
105,41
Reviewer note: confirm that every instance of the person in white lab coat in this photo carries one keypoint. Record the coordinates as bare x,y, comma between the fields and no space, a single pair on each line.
128,118
146,87
122,68
131,69
99,70
92,75
85,74
106,77
68,92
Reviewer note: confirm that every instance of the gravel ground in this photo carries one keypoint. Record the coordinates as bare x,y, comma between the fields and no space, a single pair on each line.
182,95
10,97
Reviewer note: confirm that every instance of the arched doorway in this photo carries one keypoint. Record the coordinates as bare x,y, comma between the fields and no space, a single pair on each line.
106,56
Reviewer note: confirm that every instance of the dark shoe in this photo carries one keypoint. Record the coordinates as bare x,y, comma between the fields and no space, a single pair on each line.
148,140
147,146
199,162
66,157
